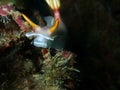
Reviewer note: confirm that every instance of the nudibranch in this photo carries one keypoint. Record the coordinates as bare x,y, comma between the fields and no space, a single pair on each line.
44,35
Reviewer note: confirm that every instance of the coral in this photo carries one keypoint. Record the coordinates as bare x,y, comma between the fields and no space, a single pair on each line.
42,71
56,69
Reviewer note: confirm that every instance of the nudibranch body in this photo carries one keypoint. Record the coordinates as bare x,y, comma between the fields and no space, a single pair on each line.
48,35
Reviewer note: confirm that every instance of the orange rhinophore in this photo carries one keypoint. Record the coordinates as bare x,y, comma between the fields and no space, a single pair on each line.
54,27
32,24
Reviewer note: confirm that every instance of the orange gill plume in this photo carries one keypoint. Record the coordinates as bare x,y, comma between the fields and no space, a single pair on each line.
54,4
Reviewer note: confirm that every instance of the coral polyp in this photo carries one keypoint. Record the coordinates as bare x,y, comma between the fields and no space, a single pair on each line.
5,19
